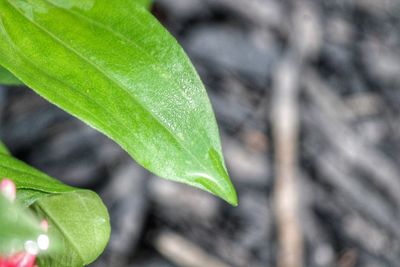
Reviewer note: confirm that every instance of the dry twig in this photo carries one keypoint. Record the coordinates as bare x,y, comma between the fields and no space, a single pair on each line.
305,42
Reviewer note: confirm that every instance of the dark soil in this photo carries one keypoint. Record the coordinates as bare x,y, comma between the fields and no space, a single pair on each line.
348,177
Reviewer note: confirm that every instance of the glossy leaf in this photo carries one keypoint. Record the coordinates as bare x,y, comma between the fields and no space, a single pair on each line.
77,218
111,64
7,78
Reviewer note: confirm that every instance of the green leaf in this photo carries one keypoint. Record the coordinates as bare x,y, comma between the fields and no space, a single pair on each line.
7,78
112,65
17,225
82,225
78,220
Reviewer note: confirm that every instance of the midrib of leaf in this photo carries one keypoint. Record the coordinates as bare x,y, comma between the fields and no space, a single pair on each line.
110,78
166,76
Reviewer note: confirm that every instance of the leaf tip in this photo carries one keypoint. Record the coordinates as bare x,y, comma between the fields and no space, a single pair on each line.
221,187
232,198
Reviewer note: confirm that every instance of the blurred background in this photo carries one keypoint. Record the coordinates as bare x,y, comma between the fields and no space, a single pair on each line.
307,98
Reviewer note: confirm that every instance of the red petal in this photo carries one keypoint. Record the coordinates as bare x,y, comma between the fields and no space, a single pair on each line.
20,260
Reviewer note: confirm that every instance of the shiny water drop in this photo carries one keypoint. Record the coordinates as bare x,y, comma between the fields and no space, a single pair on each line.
43,242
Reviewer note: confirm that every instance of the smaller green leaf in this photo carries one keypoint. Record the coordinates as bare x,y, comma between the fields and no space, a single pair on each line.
78,220
17,225
7,78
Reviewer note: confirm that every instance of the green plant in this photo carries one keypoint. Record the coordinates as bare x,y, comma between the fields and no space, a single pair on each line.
112,65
